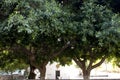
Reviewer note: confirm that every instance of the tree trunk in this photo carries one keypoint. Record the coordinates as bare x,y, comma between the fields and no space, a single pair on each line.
86,74
42,70
86,69
32,74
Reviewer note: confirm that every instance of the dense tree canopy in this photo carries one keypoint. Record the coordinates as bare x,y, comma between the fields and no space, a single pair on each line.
37,29
35,32
96,38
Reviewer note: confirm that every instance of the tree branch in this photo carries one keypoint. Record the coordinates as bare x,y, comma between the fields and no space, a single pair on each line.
90,65
78,62
1,49
91,60
99,63
23,49
59,52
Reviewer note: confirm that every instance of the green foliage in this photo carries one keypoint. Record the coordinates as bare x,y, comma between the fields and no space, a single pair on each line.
10,62
35,26
98,25
97,32
115,57
44,27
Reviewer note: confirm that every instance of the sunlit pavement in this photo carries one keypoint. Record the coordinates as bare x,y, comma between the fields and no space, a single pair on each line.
73,72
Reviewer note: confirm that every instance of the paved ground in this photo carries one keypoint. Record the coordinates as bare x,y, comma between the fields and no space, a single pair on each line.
73,72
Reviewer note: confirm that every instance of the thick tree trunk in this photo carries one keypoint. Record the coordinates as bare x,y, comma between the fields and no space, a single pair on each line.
86,69
32,74
42,70
86,74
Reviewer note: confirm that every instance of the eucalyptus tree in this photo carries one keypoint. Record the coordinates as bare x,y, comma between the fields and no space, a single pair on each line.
36,29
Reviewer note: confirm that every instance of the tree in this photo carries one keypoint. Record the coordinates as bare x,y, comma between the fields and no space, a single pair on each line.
32,28
96,37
